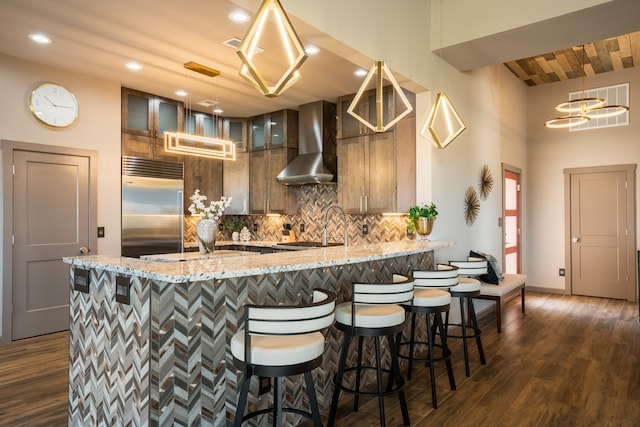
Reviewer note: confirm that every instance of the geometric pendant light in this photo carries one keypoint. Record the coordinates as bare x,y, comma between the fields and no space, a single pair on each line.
293,53
380,72
581,110
199,146
443,124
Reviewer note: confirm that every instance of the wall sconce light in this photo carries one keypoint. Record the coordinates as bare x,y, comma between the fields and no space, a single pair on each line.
380,71
294,50
443,124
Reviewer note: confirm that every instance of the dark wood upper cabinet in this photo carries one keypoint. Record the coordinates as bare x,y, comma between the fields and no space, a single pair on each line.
376,170
278,129
202,124
150,115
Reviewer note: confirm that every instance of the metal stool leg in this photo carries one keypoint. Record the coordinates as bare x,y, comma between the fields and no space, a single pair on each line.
432,371
411,345
337,380
476,328
395,372
313,401
356,400
379,376
446,353
242,400
277,402
463,326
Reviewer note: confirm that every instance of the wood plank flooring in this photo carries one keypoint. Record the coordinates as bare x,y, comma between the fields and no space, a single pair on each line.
570,361
34,374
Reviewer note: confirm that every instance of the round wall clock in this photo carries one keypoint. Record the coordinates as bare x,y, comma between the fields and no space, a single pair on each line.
53,105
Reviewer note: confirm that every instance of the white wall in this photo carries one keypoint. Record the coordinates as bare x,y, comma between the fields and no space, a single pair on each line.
97,128
549,151
466,20
491,102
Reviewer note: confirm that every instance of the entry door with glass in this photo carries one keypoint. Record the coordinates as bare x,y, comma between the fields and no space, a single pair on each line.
511,221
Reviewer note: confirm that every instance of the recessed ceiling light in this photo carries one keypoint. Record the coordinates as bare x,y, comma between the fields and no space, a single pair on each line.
134,66
312,50
181,93
360,72
40,38
239,16
218,111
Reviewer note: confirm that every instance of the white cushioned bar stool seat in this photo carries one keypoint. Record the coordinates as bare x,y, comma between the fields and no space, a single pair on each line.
371,316
467,288
467,284
374,311
278,341
431,299
279,350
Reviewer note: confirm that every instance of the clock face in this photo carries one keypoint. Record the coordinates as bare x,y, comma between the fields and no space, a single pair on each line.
53,105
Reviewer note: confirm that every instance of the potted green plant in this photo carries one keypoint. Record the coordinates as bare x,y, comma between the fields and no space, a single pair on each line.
234,224
421,218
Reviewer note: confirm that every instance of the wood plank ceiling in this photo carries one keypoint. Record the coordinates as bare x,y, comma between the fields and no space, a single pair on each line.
612,54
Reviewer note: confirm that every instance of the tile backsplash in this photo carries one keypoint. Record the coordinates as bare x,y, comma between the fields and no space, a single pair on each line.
313,201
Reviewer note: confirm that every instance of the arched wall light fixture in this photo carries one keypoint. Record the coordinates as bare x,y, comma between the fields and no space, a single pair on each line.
295,52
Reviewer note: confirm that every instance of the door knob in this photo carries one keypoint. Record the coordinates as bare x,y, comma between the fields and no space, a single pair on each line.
575,239
84,250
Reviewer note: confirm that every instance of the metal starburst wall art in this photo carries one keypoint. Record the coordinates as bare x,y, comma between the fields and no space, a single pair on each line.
471,205
486,182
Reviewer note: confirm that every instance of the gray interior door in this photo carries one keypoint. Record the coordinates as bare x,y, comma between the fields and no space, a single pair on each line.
599,232
51,220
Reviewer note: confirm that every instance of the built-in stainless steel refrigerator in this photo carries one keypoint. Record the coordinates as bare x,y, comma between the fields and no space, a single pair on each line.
152,206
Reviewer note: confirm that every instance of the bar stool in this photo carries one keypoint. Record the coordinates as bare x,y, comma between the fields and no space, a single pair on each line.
373,312
465,290
279,341
430,299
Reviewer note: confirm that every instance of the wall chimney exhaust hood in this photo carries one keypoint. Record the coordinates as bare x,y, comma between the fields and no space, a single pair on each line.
316,161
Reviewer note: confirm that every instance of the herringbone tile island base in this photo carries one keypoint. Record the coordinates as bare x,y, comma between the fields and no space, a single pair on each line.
570,361
164,358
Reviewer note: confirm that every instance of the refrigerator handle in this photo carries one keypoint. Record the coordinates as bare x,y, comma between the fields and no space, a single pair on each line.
181,197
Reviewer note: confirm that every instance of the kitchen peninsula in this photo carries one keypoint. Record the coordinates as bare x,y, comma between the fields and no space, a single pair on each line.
149,340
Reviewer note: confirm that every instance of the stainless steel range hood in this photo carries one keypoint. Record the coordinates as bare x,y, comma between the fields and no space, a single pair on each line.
316,161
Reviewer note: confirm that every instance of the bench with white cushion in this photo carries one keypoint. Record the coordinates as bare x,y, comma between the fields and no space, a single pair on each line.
504,288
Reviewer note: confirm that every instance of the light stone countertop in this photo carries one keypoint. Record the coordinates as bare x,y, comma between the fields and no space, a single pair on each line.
221,267
194,256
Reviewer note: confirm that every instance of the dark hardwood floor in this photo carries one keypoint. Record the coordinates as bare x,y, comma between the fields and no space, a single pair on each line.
34,374
570,361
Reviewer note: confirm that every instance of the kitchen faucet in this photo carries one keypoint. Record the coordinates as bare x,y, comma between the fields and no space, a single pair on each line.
326,220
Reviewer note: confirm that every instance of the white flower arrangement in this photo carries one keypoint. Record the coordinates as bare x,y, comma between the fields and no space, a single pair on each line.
213,211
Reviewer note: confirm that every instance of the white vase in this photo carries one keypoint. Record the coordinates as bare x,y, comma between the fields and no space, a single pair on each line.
235,236
206,230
